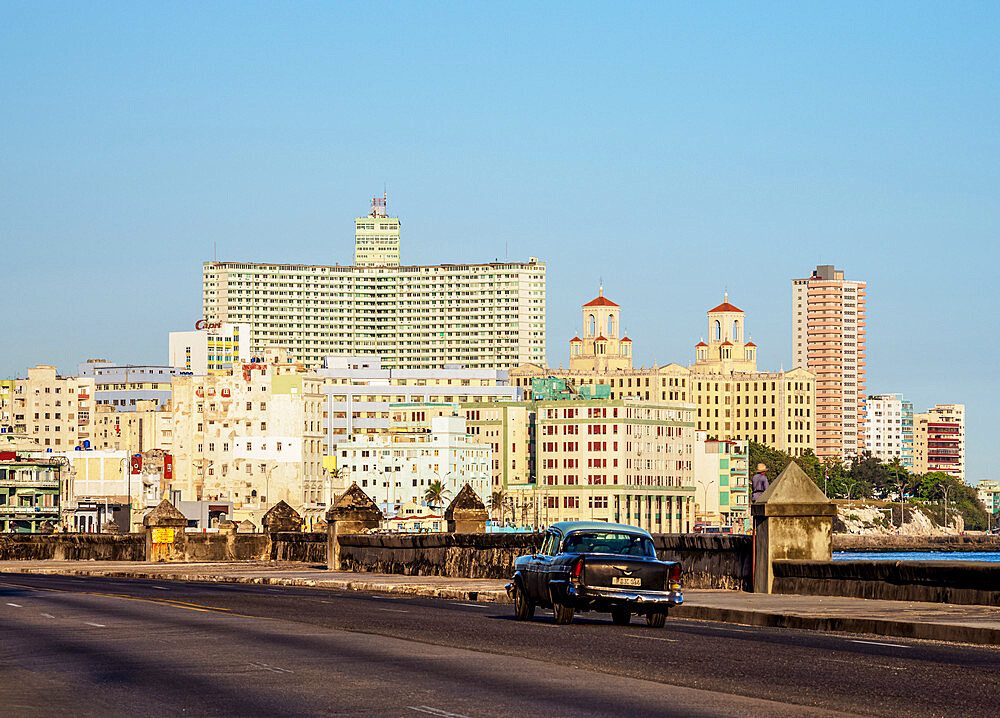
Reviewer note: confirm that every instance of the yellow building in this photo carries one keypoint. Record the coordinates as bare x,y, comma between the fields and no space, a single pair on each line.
376,237
734,401
146,427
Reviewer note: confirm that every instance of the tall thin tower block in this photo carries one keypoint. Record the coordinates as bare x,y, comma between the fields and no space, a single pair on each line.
376,237
828,339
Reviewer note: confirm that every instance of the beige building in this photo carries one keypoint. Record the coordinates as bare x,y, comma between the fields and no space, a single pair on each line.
733,400
146,427
56,411
376,237
253,437
828,338
939,440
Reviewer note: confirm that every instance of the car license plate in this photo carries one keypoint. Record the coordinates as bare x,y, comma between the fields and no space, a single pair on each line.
625,581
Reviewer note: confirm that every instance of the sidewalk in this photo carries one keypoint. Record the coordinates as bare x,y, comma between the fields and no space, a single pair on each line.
901,619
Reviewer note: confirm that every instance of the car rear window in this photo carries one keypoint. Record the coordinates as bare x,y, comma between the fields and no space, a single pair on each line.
613,542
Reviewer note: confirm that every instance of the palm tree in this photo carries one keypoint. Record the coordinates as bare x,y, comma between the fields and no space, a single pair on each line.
435,493
496,504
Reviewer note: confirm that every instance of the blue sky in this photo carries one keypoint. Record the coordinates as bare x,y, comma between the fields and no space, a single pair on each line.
674,150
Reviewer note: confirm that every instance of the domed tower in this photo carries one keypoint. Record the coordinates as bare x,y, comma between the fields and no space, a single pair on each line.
601,349
727,349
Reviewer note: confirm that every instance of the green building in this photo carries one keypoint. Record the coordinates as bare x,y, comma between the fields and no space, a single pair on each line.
29,493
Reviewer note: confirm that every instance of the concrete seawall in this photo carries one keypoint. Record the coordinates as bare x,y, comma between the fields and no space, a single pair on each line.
869,542
957,582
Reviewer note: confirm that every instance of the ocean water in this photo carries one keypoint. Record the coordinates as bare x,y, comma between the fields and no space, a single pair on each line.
989,556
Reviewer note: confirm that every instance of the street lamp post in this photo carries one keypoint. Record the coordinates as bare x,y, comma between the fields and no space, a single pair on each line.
945,488
704,486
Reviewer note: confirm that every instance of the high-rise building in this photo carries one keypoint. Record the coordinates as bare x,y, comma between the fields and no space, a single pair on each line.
376,237
889,428
828,339
939,440
482,316
733,400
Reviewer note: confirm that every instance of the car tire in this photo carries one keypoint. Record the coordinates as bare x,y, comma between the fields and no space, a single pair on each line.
562,613
656,620
621,616
523,608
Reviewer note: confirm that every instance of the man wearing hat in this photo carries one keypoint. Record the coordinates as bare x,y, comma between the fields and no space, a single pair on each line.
759,482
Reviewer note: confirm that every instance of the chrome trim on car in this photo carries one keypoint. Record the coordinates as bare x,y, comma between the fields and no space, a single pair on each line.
655,598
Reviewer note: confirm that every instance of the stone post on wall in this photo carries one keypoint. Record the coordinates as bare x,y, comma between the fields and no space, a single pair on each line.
165,537
280,517
466,514
353,513
793,519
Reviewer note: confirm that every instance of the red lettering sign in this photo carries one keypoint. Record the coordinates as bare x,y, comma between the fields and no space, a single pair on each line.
205,324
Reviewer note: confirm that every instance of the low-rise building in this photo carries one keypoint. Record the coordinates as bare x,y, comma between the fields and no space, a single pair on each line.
212,346
253,437
125,388
359,391
400,466
30,492
721,477
413,517
55,410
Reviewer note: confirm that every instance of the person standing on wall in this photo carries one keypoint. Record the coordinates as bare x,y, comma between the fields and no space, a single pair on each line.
759,482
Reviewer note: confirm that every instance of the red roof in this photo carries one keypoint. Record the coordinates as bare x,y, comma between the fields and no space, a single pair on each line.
575,340
749,344
727,344
626,339
701,344
601,301
725,307
601,338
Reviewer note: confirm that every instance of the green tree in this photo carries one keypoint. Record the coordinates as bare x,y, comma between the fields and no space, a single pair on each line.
435,494
497,505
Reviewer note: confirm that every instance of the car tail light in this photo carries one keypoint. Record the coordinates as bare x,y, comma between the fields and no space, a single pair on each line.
674,577
578,569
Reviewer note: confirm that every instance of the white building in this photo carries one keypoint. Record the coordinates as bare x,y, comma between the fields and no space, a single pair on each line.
397,468
889,432
376,237
211,346
477,315
359,391
939,440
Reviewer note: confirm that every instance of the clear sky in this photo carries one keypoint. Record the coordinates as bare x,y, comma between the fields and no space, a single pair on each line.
674,150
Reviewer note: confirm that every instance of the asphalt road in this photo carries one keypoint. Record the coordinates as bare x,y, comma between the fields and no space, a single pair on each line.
97,646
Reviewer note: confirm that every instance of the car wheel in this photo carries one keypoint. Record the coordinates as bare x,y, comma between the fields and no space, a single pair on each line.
523,608
656,620
561,612
621,616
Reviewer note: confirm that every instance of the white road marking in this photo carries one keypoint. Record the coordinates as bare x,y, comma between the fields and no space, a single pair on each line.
15,605
393,610
436,712
95,625
652,638
471,605
161,588
48,615
877,643
273,669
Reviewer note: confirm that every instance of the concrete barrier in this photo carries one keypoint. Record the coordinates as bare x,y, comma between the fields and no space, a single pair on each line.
964,582
72,547
710,561
874,542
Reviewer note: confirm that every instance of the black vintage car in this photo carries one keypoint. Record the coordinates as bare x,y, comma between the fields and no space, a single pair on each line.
596,566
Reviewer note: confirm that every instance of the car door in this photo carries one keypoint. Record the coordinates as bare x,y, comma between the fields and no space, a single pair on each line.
542,565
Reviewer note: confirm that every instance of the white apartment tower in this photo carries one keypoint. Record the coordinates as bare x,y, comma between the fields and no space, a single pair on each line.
828,339
479,316
889,428
376,237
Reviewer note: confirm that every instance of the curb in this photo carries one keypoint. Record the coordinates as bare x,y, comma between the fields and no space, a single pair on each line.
945,632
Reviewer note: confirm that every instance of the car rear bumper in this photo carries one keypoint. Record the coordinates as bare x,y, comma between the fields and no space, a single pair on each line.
664,599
